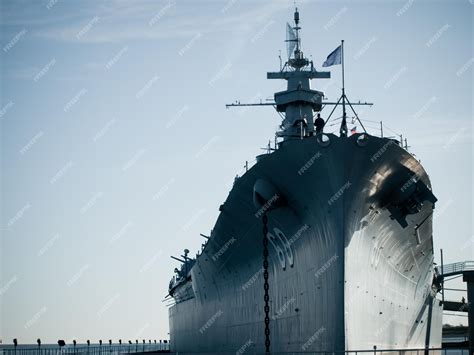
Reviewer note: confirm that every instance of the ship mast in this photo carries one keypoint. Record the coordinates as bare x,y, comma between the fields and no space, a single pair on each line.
298,104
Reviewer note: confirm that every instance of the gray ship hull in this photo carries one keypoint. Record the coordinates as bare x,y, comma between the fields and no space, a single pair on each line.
345,272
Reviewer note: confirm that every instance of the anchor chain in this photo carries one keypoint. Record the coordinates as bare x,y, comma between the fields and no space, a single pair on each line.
266,286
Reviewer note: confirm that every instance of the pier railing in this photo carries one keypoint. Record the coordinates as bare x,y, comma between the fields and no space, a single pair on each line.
431,351
93,349
116,349
354,352
455,268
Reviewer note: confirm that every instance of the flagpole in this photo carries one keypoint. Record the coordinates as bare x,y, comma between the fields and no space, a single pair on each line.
342,55
337,57
343,130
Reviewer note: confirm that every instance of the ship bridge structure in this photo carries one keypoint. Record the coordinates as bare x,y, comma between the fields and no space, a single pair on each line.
298,101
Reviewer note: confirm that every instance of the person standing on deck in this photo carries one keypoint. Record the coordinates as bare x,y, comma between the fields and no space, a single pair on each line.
319,124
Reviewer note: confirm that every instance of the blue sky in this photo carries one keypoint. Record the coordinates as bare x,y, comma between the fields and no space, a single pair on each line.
117,149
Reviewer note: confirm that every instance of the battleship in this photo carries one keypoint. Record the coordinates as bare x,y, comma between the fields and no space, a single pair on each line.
324,245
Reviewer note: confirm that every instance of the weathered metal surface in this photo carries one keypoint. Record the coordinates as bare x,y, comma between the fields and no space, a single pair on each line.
344,275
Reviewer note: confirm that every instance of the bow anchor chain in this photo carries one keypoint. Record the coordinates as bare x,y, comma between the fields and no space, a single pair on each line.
266,286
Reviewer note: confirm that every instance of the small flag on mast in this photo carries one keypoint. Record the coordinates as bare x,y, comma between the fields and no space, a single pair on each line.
334,58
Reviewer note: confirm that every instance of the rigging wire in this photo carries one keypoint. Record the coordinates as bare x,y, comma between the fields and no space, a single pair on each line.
365,120
393,131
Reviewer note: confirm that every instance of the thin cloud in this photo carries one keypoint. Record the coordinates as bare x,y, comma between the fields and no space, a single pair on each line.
119,23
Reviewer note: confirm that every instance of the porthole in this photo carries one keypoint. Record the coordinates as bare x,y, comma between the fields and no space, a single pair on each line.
362,140
323,140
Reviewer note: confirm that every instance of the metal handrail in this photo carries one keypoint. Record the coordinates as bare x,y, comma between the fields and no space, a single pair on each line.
421,351
83,349
443,351
455,268
126,349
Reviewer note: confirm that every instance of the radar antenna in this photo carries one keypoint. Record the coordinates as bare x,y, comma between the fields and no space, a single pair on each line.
291,40
293,44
